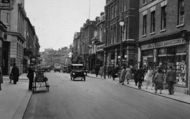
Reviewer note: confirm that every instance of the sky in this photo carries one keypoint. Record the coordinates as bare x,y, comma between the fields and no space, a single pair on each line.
56,21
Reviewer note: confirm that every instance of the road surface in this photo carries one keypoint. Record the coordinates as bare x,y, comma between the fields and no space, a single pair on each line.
100,99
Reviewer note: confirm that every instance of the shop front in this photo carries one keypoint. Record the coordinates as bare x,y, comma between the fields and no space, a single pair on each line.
170,53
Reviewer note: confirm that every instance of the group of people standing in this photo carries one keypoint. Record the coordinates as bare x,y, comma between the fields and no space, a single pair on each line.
14,75
152,77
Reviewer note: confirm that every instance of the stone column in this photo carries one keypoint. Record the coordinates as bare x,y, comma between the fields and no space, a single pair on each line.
188,66
139,56
115,63
105,63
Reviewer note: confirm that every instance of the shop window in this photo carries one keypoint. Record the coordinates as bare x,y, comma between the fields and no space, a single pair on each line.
181,65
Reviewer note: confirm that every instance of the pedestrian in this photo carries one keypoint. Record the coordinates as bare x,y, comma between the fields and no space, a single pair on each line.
101,71
135,76
115,72
97,68
140,76
128,74
15,73
159,80
122,75
1,78
148,77
10,75
171,80
30,76
110,68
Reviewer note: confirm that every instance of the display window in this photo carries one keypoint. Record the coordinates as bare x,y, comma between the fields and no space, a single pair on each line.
181,65
175,57
147,58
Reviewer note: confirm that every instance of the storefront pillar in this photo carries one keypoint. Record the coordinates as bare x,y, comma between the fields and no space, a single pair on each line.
155,57
115,63
139,57
105,56
188,67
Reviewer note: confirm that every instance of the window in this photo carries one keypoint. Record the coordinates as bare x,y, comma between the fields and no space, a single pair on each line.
144,24
181,12
163,17
153,22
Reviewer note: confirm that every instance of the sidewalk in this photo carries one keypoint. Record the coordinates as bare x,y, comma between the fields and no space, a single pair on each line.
177,96
14,98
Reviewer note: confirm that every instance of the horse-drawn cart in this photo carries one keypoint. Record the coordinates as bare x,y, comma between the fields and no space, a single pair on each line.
40,82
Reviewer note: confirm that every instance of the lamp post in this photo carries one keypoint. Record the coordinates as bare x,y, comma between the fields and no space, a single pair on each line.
121,23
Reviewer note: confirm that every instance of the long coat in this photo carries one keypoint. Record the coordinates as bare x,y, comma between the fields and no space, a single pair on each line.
30,74
15,73
148,76
128,73
139,75
171,76
159,80
122,75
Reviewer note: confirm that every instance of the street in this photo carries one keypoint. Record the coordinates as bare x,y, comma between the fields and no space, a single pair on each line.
100,99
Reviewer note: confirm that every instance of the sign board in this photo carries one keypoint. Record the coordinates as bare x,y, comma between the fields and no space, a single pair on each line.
168,43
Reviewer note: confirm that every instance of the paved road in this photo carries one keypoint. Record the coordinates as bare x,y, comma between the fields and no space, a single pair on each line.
100,99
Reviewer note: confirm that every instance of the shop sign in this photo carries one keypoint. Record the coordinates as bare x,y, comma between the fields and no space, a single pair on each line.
170,43
100,47
148,46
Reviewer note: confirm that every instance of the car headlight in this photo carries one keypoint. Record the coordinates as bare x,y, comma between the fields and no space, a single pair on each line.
73,73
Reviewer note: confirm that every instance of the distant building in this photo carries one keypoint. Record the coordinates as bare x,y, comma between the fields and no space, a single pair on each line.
82,44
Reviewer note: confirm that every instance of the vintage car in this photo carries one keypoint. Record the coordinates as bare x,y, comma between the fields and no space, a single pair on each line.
77,71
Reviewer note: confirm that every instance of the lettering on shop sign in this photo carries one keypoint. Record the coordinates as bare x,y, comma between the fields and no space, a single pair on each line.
100,47
148,46
163,44
170,43
5,1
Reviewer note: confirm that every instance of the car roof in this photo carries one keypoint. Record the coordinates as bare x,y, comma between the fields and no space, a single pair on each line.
77,64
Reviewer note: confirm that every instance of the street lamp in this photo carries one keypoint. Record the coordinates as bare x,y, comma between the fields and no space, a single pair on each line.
121,23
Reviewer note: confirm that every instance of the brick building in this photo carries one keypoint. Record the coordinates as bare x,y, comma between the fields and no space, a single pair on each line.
164,37
121,32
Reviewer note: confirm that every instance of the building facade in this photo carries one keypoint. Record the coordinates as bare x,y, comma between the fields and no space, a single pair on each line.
14,18
164,37
21,40
83,44
121,32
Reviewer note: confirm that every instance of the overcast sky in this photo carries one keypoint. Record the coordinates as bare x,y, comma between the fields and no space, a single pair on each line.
56,21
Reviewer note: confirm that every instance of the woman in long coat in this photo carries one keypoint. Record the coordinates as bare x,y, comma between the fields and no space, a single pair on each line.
128,74
15,73
148,77
123,75
1,78
159,80
30,76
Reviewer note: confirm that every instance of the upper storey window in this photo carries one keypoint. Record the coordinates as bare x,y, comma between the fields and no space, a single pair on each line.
144,30
181,12
163,17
